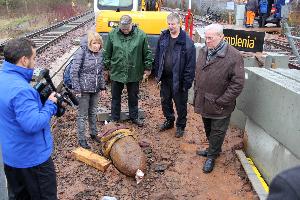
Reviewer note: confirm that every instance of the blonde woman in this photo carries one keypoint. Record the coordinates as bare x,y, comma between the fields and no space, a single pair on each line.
88,83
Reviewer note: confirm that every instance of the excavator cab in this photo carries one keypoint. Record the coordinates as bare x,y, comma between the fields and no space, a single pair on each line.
145,14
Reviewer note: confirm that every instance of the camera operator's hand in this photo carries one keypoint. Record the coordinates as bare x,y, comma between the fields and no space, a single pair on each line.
78,95
52,97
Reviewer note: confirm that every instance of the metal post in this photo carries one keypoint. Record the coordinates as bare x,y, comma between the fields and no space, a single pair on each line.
3,186
290,39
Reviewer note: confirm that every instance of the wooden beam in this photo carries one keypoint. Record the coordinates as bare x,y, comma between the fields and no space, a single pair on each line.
90,158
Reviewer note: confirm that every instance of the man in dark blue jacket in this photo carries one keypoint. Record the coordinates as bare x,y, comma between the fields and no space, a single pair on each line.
175,62
25,134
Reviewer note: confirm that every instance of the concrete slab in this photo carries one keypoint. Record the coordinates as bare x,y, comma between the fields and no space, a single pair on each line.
273,102
269,156
289,73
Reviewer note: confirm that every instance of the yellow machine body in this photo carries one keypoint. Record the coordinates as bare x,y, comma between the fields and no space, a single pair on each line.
151,22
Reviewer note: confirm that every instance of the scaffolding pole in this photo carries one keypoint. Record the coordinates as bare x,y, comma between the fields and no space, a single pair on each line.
291,38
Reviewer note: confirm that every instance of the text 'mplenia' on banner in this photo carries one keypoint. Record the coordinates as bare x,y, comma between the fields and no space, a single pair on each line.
249,41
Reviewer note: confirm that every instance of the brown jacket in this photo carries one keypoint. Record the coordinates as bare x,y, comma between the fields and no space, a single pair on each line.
218,83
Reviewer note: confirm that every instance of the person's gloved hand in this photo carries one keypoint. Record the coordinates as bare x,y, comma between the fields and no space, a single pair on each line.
78,94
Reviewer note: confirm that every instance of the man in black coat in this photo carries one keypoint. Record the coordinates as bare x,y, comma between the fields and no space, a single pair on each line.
174,65
286,185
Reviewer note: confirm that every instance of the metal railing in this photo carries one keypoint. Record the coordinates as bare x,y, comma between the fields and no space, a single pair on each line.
287,32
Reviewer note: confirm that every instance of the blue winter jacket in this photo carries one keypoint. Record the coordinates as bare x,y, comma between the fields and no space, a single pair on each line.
184,60
25,134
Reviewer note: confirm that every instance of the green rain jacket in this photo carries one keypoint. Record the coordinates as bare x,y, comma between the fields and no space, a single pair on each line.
127,56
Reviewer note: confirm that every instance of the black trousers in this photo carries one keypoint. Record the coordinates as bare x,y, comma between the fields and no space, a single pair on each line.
215,130
180,100
34,183
116,93
262,20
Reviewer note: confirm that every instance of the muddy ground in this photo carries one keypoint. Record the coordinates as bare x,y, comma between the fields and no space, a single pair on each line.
174,170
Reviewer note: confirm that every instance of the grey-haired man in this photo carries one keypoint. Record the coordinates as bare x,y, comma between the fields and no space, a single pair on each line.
219,80
174,65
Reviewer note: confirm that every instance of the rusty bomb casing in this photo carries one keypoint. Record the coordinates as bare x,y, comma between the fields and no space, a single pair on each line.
119,144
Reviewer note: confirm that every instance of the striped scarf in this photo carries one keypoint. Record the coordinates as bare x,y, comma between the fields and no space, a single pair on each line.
212,52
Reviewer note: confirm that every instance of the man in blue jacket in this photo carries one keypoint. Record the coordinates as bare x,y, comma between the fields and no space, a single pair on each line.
25,134
174,65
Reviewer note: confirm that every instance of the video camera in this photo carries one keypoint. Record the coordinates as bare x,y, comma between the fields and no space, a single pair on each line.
45,87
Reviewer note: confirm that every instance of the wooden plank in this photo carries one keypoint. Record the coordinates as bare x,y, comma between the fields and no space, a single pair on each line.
92,159
257,29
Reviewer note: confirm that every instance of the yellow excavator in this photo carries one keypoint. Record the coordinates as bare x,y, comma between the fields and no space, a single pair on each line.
146,14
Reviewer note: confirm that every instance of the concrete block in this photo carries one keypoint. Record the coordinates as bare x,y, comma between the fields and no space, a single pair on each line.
273,101
191,95
276,60
239,14
269,156
198,47
251,62
268,60
238,119
191,90
105,114
199,35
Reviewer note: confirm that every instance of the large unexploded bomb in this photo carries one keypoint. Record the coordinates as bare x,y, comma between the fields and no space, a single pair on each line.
119,144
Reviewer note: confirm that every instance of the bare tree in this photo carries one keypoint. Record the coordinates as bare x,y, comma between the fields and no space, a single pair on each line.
26,6
7,6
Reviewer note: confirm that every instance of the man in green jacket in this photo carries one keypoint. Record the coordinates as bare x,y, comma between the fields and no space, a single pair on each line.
128,57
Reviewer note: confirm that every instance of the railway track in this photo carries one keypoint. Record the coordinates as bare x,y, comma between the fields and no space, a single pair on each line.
47,36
